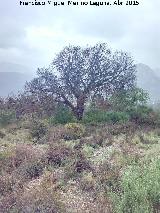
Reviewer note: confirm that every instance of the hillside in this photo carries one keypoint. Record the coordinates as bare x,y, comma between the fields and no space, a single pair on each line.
148,80
12,78
157,71
97,169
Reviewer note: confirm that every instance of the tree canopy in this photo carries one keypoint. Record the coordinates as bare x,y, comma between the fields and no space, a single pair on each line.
78,73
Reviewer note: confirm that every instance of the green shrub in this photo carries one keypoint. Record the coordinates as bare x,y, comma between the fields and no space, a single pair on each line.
6,117
142,114
126,100
140,189
155,117
103,116
62,116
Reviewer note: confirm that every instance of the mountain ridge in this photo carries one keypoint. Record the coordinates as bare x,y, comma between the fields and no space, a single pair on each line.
148,80
12,78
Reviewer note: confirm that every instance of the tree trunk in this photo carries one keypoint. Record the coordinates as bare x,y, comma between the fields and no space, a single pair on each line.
79,112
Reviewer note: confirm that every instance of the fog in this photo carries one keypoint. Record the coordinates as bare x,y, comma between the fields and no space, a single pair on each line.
32,35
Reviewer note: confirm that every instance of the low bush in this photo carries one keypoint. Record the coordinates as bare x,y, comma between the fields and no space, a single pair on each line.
156,117
74,131
57,154
2,134
62,116
103,116
140,189
7,117
127,100
38,129
88,182
56,133
24,152
29,170
141,114
34,169
82,164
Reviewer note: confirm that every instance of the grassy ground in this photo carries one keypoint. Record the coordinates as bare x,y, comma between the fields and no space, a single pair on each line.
97,168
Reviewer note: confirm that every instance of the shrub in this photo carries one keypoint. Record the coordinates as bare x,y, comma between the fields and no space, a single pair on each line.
23,152
140,189
34,169
29,170
62,116
107,175
6,117
155,118
74,131
126,100
26,121
56,133
103,116
87,182
87,150
117,117
82,165
141,114
38,129
2,134
57,154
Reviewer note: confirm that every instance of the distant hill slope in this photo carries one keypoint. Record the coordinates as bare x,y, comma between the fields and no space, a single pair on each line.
148,80
157,71
12,78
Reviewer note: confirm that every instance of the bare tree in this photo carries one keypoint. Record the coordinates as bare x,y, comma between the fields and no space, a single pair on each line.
76,73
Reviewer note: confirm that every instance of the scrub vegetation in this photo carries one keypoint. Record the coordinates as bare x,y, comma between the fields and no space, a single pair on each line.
100,155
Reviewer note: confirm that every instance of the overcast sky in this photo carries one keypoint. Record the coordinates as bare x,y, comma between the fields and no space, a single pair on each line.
32,35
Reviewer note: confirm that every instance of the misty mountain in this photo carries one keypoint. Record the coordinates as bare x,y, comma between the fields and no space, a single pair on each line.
157,71
149,80
12,78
